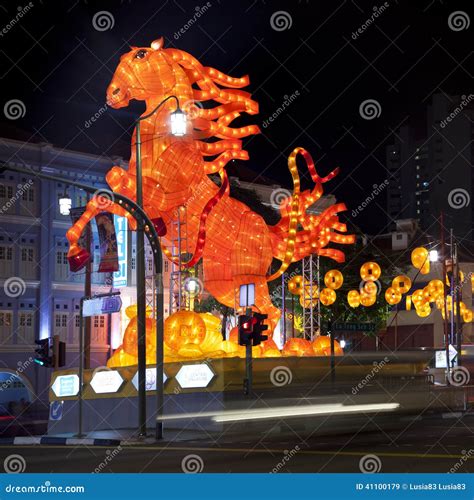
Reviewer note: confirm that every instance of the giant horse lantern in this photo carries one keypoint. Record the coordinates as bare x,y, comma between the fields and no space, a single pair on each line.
235,244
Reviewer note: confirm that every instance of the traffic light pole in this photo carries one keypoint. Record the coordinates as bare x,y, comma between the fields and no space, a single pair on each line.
248,381
81,367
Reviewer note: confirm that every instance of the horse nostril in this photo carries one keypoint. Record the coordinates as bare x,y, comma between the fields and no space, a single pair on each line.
116,91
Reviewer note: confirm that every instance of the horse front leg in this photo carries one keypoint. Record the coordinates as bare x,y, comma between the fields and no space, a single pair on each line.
77,256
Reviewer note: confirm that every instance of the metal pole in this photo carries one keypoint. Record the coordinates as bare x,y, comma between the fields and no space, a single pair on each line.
81,365
159,344
458,295
451,286
319,302
283,307
141,295
333,361
88,293
445,322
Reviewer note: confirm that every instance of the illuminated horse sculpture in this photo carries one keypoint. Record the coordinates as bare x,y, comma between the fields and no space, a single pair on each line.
235,244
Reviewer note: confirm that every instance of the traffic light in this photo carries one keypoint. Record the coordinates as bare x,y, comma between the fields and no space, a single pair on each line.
245,326
258,328
59,352
43,356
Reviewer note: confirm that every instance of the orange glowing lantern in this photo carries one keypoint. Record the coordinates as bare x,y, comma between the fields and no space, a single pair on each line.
322,346
295,285
353,298
234,243
467,316
392,296
368,300
420,259
297,347
435,289
333,279
369,288
370,271
401,283
408,303
184,332
308,302
327,296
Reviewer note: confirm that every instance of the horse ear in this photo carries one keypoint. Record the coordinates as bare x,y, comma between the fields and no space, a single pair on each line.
157,44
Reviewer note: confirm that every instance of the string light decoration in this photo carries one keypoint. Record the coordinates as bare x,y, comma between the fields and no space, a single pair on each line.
234,243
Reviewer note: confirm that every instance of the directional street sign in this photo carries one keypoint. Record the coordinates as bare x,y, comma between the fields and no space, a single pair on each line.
102,305
56,410
354,327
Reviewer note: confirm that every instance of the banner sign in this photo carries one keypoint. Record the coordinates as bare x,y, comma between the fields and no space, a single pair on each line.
354,327
97,306
120,276
75,213
107,243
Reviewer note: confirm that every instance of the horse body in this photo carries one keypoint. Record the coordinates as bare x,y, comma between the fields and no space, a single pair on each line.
235,244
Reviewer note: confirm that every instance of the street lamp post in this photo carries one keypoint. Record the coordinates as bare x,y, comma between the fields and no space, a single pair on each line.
178,128
138,214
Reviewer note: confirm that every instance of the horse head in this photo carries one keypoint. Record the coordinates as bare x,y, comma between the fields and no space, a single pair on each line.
143,73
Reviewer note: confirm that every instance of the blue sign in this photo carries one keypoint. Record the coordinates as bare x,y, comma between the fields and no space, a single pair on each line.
56,410
120,276
102,305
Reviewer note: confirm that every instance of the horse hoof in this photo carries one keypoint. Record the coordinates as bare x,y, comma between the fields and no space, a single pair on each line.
78,260
160,226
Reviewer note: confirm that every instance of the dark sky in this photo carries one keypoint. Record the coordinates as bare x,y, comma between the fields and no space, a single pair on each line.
59,66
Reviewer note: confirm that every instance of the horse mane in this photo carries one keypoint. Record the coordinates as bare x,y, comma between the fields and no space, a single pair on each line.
209,84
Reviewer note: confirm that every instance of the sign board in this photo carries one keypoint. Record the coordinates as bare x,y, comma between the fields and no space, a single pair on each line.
194,376
354,327
150,379
106,381
440,357
120,276
56,410
66,385
102,305
247,295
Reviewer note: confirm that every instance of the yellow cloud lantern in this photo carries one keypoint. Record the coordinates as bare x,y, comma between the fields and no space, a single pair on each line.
353,298
327,296
420,259
392,296
333,279
370,271
401,283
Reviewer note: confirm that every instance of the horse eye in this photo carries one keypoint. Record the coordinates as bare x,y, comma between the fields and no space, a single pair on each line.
140,54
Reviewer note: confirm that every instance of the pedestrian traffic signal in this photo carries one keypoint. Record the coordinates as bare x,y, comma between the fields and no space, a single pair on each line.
258,328
43,356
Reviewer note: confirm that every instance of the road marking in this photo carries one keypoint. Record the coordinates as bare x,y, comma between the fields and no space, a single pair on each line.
251,450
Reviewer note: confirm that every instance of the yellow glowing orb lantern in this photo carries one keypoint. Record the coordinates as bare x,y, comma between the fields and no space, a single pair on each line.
295,285
401,283
369,288
370,271
435,289
408,303
420,259
184,330
423,311
467,316
327,296
353,298
392,296
368,300
333,279
418,298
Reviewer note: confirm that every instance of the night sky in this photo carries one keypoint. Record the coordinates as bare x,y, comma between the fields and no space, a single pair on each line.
59,65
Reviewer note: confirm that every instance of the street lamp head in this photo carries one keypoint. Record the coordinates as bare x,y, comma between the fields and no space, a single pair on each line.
178,123
433,256
65,204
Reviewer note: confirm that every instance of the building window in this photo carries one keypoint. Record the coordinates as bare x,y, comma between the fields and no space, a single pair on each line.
26,327
6,261
99,330
27,263
6,327
28,202
62,265
61,325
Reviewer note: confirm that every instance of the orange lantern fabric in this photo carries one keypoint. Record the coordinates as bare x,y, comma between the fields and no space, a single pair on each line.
235,244
322,346
333,279
184,332
370,271
297,347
